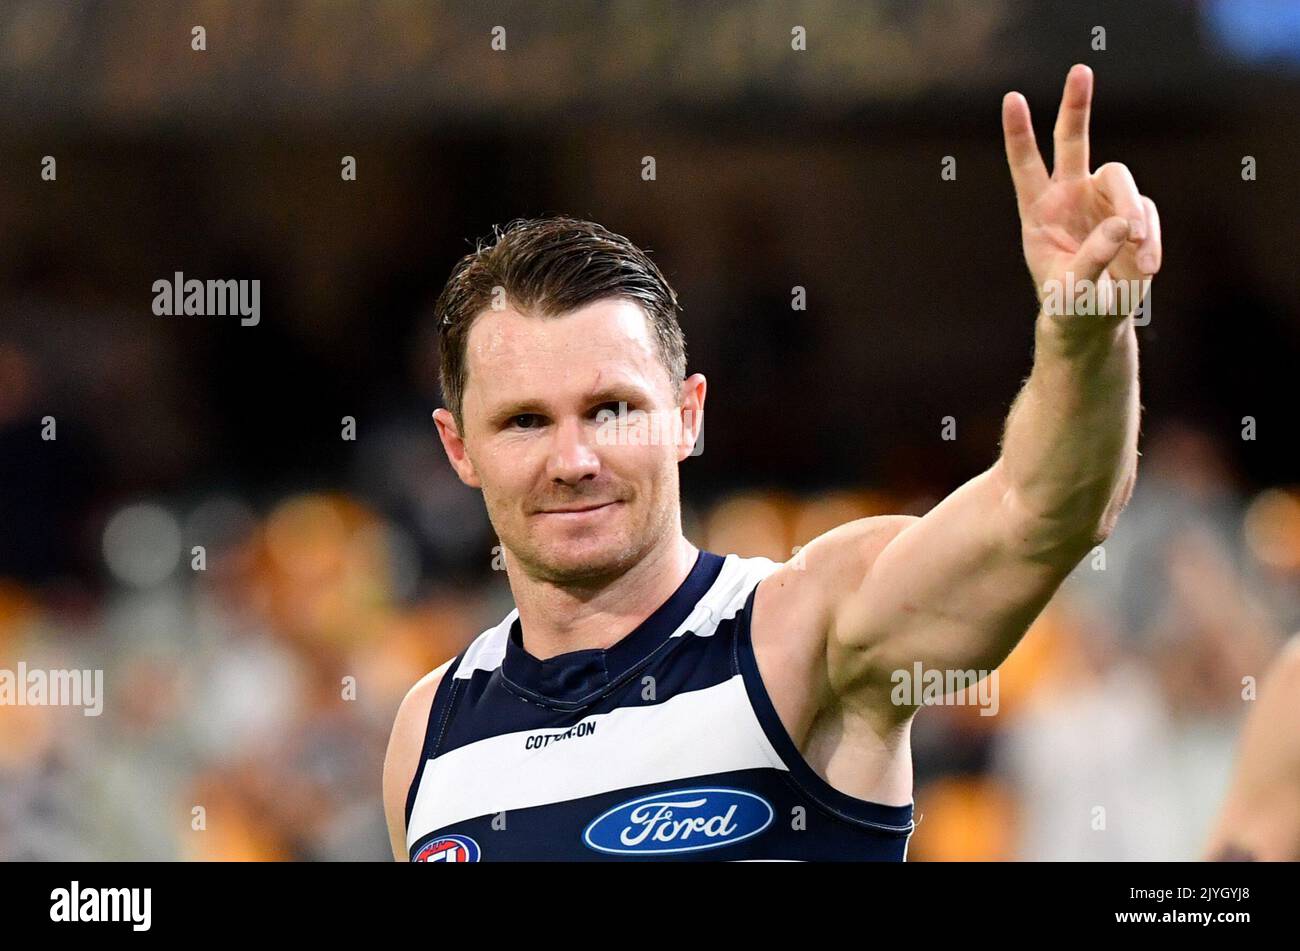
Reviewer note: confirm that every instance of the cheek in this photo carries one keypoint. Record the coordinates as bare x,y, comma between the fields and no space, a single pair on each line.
504,464
503,478
650,470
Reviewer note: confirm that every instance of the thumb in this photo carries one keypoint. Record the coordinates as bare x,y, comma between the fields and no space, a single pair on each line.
1100,248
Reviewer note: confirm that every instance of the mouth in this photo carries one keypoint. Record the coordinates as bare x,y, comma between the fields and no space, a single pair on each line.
579,511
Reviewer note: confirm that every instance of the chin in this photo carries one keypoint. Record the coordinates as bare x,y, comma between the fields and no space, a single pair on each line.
577,559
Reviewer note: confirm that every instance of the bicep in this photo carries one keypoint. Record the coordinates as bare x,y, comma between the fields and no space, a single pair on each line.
953,590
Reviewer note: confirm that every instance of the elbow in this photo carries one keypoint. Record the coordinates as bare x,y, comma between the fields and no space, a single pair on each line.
1117,503
1102,530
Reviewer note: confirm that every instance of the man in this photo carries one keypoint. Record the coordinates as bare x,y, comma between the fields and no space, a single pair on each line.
648,700
1260,819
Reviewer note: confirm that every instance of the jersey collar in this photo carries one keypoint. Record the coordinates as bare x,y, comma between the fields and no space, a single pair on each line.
579,676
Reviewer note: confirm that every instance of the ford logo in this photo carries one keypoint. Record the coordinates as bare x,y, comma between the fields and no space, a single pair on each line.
681,820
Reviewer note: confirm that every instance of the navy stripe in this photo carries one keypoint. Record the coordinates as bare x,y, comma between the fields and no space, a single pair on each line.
555,831
440,709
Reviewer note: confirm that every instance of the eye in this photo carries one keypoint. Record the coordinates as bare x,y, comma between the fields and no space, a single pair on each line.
609,410
525,421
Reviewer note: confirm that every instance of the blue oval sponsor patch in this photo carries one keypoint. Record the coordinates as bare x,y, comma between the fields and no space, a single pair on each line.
679,820
449,848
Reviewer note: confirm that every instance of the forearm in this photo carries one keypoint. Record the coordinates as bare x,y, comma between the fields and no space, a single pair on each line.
1069,450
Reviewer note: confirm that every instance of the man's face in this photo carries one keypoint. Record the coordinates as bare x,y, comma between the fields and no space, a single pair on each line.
573,496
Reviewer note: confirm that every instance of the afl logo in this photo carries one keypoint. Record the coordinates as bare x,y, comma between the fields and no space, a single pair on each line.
449,848
679,820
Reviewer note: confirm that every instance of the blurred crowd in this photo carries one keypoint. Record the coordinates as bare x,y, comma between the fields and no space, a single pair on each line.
251,681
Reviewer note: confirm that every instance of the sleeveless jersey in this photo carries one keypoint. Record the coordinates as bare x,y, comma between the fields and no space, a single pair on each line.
663,746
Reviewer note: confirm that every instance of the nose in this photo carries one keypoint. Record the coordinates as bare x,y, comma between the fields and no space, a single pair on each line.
572,457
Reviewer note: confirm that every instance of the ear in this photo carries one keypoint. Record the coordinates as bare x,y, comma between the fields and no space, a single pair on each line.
691,402
454,446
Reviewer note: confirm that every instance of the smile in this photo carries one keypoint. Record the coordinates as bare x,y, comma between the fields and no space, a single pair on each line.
579,512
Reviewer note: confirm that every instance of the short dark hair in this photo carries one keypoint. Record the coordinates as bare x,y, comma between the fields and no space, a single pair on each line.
548,267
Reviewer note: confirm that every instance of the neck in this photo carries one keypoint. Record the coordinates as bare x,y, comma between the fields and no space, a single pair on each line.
555,619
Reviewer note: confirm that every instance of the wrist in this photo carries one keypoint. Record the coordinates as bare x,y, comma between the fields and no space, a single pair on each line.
1078,335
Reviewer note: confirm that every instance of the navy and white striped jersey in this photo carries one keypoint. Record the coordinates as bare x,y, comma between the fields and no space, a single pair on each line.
663,746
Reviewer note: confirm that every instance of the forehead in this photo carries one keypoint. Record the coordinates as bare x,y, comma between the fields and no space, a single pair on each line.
510,355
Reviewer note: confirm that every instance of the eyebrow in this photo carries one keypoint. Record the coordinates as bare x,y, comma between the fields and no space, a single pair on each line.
612,393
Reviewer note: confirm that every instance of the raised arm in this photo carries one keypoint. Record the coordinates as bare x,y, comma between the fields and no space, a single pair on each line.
957,588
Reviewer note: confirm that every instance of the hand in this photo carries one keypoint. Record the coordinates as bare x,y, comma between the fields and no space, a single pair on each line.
1096,226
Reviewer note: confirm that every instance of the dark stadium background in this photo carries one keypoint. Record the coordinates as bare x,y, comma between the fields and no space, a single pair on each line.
330,558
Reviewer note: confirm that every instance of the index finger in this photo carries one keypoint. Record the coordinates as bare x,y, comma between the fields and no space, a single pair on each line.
1028,173
1070,138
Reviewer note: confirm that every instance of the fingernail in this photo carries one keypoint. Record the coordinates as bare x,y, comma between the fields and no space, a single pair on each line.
1136,229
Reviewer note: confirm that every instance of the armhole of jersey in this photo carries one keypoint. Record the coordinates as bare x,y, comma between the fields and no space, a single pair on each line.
891,820
439,712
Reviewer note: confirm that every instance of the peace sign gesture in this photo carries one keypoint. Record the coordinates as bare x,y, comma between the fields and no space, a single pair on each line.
1097,227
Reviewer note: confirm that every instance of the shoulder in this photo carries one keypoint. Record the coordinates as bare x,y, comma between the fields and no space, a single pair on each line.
795,608
404,747
415,705
829,566
1277,712
413,714
1258,818
1286,672
857,542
